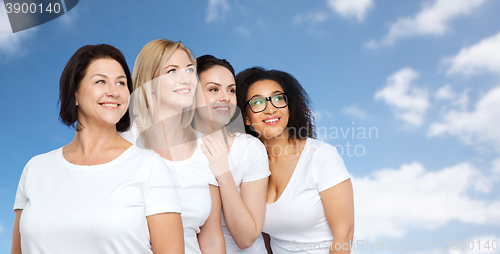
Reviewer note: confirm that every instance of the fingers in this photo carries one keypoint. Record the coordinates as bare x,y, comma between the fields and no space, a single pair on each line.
205,151
209,145
215,145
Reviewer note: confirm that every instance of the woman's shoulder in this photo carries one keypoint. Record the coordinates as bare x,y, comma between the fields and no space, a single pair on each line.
321,153
143,154
251,143
320,148
46,158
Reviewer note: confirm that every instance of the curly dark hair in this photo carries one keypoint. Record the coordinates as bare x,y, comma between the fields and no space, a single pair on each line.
301,121
75,71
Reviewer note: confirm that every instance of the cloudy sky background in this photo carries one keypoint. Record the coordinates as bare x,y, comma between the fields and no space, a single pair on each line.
408,91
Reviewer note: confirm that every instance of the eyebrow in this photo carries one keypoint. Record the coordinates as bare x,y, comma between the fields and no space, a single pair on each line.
177,66
104,76
217,84
213,83
259,95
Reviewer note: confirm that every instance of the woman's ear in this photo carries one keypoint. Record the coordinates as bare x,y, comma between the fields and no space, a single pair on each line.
76,99
247,121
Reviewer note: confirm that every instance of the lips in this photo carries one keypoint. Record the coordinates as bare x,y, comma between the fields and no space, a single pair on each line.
272,120
222,109
183,91
109,105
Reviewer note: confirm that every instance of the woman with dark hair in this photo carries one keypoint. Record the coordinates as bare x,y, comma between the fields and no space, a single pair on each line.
239,163
310,202
99,193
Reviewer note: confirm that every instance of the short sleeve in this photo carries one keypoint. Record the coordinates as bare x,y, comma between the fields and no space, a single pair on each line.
21,197
258,167
333,170
211,179
161,193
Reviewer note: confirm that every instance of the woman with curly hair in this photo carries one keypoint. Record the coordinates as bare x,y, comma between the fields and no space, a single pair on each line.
309,199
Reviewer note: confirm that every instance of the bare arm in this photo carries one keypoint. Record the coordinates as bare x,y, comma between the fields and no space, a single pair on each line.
210,238
16,235
166,233
339,210
244,213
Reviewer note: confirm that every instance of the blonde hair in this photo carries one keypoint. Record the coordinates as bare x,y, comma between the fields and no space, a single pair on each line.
147,68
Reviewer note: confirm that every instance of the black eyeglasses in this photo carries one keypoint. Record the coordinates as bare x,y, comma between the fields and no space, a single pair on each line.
259,104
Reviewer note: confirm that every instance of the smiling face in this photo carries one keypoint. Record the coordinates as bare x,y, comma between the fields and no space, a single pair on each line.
218,94
102,96
272,122
178,82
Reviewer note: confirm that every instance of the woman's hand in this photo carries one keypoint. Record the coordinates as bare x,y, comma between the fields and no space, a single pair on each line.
217,154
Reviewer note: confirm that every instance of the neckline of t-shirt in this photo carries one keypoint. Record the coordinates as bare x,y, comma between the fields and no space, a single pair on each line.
293,173
197,150
97,166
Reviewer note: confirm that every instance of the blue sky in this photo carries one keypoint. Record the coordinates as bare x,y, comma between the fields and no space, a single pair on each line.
424,74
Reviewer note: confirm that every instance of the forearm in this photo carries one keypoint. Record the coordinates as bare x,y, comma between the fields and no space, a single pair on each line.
16,235
210,238
341,243
212,244
240,222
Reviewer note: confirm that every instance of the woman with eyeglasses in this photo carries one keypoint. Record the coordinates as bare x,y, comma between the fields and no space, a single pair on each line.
238,161
99,193
309,199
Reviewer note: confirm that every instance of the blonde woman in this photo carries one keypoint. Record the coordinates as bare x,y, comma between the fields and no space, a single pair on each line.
165,82
99,193
239,161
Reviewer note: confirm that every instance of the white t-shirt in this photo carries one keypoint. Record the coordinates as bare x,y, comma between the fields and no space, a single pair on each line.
248,162
70,208
296,222
192,178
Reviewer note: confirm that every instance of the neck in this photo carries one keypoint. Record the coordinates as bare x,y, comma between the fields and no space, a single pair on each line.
174,132
92,139
205,127
280,147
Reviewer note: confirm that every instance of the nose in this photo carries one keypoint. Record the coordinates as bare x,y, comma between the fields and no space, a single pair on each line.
112,90
186,78
270,109
225,97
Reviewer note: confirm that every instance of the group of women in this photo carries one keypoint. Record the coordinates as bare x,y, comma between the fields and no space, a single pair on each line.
183,156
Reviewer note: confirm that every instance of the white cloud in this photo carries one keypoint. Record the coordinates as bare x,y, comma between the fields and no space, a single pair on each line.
433,19
408,101
354,110
243,31
397,200
351,8
445,93
483,56
322,114
216,10
478,126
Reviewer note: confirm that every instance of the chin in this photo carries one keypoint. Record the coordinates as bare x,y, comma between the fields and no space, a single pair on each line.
271,132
